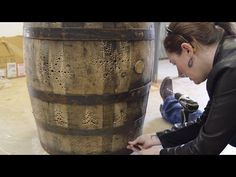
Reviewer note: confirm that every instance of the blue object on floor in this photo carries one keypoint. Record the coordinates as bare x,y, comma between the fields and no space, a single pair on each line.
171,111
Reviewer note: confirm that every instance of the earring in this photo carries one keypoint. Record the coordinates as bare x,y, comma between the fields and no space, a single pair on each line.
190,63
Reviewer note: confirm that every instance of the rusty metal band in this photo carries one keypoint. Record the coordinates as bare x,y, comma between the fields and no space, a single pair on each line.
90,132
132,95
54,151
75,34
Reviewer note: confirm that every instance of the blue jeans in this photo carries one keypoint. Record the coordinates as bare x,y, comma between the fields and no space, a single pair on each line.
171,111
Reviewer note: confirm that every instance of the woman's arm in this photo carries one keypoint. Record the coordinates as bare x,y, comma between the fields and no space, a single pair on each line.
220,126
187,132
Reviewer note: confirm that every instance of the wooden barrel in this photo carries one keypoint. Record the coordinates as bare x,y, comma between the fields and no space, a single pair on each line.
88,83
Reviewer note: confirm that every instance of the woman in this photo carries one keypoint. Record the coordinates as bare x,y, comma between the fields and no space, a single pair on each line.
200,50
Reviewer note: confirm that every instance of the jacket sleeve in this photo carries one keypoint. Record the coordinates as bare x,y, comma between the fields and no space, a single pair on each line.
180,135
220,125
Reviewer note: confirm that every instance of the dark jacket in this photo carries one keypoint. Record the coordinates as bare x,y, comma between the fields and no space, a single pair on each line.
216,128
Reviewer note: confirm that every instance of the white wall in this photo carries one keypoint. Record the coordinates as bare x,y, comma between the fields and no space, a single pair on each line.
11,28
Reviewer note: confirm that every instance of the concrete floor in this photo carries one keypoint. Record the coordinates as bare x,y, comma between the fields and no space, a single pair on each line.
19,133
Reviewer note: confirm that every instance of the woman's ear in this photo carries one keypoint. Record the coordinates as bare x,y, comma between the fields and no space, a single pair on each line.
187,47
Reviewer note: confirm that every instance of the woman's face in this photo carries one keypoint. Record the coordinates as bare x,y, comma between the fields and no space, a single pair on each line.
183,63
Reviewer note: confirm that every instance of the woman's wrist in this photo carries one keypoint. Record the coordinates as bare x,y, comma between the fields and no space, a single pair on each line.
155,139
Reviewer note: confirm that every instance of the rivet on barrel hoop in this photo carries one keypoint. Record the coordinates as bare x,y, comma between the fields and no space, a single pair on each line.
139,34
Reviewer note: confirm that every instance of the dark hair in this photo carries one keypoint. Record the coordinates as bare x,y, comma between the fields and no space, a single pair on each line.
205,33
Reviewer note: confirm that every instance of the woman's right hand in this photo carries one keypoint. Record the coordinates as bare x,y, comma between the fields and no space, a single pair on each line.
144,142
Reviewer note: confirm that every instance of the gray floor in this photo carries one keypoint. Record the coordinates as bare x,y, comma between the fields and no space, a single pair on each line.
19,133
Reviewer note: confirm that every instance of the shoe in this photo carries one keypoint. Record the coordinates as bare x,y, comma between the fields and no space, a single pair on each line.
166,88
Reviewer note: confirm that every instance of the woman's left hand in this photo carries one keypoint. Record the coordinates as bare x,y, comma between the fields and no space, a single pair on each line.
154,150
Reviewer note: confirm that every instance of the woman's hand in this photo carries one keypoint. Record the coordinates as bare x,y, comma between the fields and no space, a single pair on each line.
143,142
154,150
